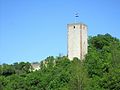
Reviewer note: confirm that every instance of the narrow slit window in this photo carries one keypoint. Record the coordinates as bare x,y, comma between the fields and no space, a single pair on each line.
74,27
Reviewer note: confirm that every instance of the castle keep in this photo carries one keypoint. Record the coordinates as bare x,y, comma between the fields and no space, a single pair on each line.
77,40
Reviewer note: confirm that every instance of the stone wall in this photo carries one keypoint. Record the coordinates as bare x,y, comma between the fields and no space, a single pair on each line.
77,40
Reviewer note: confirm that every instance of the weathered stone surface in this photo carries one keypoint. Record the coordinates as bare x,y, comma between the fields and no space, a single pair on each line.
77,40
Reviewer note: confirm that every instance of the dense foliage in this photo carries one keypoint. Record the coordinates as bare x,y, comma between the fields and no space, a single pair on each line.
99,71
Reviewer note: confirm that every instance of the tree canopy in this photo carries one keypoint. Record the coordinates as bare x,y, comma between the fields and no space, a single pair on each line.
99,71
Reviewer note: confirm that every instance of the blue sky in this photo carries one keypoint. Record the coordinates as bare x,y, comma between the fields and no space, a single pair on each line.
31,30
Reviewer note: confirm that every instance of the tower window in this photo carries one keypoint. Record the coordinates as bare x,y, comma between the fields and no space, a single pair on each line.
74,27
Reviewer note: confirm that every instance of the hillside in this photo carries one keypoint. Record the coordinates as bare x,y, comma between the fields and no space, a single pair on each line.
99,71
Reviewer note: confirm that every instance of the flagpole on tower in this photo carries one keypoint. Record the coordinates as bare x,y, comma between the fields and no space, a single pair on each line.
76,16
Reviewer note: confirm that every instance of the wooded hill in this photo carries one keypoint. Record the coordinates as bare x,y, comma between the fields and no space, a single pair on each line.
99,71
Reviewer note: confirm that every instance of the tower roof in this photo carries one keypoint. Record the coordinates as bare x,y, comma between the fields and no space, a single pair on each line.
78,23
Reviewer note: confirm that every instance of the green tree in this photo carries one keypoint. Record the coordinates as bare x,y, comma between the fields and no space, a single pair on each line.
79,77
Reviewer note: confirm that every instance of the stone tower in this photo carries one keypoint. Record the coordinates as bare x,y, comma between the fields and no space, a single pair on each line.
77,40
